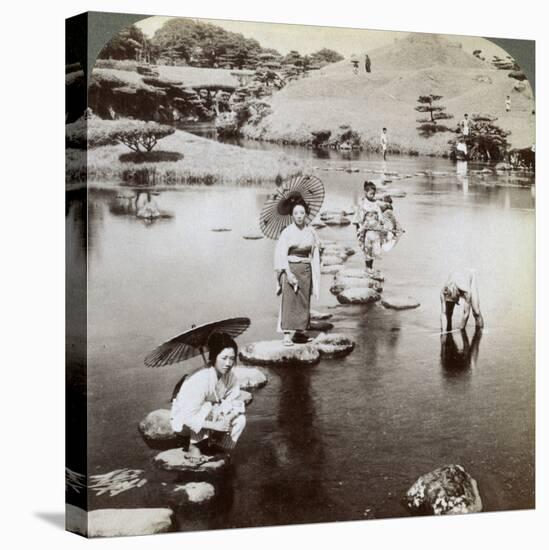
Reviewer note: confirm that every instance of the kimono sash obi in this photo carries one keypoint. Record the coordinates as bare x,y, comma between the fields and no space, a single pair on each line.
299,254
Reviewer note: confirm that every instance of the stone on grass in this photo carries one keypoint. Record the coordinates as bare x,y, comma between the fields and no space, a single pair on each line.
182,461
446,490
120,522
333,345
274,352
156,426
399,302
195,492
249,378
319,316
358,296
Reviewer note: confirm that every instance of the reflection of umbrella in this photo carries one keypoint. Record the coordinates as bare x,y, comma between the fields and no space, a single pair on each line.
192,343
276,213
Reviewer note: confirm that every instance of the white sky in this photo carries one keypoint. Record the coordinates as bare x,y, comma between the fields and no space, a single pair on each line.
308,39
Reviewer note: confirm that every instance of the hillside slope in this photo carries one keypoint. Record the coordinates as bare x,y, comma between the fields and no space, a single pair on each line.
416,65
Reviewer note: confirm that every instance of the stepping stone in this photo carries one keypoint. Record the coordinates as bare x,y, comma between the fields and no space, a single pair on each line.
274,352
337,220
358,296
156,426
399,303
220,229
332,260
361,274
252,237
320,326
331,213
319,316
397,194
318,225
333,345
444,491
329,269
249,378
111,522
343,283
195,492
182,461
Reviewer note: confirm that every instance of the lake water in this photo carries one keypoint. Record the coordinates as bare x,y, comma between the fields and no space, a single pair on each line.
346,438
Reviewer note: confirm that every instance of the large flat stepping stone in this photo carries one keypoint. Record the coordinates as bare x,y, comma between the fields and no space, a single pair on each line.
195,492
320,326
343,283
253,236
249,378
111,522
156,426
358,296
399,302
444,491
334,345
182,461
274,352
320,315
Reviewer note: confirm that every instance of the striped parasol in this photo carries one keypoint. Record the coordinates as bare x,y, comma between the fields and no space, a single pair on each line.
277,211
194,342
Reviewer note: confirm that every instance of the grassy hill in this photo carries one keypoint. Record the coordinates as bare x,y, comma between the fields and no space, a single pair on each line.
419,64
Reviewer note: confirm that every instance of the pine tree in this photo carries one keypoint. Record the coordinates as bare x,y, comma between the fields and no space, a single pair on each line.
427,104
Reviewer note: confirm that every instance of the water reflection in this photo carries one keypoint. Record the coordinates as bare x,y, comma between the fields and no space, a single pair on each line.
457,359
140,204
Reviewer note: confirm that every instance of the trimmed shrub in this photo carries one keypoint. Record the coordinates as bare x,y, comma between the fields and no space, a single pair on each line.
151,156
139,135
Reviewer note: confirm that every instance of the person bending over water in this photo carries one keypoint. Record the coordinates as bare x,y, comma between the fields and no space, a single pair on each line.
460,286
208,403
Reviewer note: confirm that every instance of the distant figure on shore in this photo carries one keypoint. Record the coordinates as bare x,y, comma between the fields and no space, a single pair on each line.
460,286
354,63
207,406
367,64
508,103
383,140
297,269
465,125
461,149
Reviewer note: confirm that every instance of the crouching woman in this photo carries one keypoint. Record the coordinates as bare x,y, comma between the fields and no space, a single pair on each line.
208,404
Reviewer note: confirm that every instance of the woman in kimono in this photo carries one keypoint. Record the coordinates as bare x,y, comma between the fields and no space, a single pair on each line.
368,221
208,402
297,269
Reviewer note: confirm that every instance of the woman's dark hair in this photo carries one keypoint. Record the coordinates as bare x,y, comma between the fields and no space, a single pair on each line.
369,185
300,202
217,342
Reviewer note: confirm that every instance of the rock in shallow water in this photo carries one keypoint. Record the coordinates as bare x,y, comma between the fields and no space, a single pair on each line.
111,522
249,378
320,316
446,490
343,283
274,352
182,461
156,426
333,345
358,296
402,302
195,492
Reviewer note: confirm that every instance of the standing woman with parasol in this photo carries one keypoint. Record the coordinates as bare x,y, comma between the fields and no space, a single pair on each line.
297,256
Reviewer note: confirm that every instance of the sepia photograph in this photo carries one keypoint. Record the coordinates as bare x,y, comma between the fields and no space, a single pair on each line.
300,274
